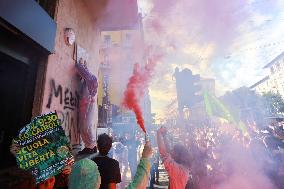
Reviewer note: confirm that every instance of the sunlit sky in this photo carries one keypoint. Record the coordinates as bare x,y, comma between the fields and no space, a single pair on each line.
228,40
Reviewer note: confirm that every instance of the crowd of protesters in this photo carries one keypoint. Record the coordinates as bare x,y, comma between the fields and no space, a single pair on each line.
203,157
224,156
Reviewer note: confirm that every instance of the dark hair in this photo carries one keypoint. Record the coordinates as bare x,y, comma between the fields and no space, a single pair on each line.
182,155
104,144
17,178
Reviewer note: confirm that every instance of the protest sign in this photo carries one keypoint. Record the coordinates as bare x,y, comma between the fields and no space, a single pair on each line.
44,147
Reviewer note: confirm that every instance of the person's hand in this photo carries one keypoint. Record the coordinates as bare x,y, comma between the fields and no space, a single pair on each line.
81,61
147,151
15,148
162,130
92,98
47,184
66,170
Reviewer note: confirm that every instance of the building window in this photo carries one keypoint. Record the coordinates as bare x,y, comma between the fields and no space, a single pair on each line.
107,40
278,68
127,40
272,70
282,65
106,59
50,6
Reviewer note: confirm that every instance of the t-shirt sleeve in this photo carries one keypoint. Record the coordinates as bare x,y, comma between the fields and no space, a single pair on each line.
115,176
142,175
174,169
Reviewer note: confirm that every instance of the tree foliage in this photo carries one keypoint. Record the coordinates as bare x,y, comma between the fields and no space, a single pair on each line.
247,105
244,103
273,104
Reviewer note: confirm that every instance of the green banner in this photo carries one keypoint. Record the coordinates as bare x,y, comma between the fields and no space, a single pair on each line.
44,147
214,107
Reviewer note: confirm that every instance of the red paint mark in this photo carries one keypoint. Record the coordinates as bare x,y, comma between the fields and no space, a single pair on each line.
136,86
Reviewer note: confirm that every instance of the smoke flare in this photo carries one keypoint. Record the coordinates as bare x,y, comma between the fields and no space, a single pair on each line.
135,89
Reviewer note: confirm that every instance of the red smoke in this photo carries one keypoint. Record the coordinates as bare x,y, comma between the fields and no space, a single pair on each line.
135,90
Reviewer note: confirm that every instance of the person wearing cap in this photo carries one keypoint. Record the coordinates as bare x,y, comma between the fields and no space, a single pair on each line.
84,175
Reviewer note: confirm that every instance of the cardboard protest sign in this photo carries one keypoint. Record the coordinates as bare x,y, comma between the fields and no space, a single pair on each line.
44,147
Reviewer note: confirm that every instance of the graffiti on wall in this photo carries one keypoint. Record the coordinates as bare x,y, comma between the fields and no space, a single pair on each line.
69,100
67,108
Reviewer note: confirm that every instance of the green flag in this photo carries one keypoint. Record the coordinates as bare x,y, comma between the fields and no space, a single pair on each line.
214,107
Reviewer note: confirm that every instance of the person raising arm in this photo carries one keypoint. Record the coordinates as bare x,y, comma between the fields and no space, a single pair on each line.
176,161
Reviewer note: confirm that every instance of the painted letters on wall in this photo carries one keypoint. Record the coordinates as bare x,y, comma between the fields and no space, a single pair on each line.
66,103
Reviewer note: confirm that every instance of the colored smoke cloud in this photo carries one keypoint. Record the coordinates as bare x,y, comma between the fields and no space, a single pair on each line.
135,90
247,168
196,16
216,39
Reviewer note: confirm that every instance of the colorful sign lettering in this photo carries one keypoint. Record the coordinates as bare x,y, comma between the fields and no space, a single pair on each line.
44,147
